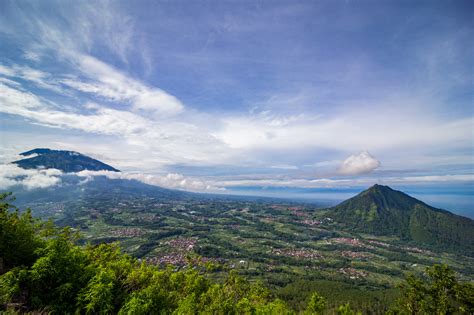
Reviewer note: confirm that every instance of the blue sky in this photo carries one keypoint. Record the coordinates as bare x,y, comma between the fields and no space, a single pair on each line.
227,95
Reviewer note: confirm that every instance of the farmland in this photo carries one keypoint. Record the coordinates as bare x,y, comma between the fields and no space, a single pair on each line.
287,246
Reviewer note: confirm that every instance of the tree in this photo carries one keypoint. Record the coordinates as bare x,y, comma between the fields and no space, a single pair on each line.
316,305
438,292
347,310
18,235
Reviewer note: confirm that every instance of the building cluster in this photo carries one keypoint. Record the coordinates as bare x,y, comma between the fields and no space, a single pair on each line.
347,241
418,250
176,259
406,248
351,241
311,222
180,259
354,255
56,207
182,244
178,255
297,253
353,273
378,243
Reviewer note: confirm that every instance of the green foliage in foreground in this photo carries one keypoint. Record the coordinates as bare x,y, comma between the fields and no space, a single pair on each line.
60,277
43,270
18,240
438,293
68,279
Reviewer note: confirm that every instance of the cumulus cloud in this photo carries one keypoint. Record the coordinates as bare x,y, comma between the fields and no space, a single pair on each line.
357,164
12,175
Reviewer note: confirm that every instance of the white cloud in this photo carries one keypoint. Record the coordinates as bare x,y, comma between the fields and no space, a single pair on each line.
148,119
69,37
384,129
198,138
435,178
188,138
12,175
293,183
39,78
77,26
171,180
32,55
103,81
344,183
104,120
173,141
15,101
284,167
108,82
357,164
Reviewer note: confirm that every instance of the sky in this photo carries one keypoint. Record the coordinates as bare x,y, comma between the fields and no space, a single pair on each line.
280,98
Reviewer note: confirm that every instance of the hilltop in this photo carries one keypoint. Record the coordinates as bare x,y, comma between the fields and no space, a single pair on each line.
66,161
381,210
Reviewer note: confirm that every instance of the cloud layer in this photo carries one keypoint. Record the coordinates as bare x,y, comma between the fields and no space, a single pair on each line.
172,180
12,175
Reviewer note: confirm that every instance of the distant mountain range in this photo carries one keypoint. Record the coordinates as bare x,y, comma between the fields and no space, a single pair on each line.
66,161
381,210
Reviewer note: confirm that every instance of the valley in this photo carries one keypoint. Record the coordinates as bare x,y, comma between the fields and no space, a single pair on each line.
287,246
357,252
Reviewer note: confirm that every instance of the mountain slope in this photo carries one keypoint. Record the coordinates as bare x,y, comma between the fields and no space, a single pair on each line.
66,161
381,210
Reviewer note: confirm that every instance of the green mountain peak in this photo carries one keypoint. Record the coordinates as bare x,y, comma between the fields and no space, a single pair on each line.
381,210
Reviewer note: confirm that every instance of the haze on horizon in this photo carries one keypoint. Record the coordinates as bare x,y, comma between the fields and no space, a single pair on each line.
293,98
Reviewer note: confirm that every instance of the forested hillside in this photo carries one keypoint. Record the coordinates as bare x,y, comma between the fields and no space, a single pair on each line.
381,210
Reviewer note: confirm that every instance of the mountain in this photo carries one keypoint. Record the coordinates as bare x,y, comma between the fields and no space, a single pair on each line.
66,161
381,210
